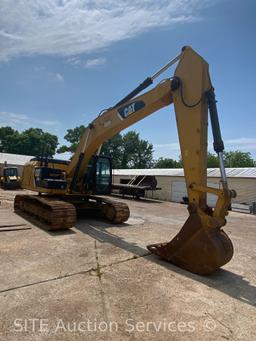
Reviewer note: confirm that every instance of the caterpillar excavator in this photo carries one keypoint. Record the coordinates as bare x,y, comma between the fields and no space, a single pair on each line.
66,188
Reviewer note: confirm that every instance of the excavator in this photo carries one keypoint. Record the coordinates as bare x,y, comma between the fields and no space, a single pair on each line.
67,187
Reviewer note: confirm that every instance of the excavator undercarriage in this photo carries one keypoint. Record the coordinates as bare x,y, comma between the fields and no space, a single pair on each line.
61,212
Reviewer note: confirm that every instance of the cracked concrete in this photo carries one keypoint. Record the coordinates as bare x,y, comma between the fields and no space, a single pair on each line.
73,282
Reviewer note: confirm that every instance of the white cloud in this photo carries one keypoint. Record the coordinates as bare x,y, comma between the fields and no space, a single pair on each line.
88,64
72,27
20,121
52,76
170,146
39,68
74,61
13,119
63,156
92,63
56,77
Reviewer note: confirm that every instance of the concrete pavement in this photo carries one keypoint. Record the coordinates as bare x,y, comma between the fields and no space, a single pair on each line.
98,281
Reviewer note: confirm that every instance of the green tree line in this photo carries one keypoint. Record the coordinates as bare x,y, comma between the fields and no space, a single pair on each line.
232,159
33,141
127,150
130,151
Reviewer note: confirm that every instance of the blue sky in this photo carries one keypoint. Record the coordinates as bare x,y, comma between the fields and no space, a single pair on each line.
61,62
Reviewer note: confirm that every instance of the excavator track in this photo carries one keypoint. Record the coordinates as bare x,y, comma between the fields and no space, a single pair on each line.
60,213
55,213
116,212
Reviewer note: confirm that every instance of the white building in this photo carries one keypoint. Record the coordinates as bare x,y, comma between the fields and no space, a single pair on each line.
173,188
14,160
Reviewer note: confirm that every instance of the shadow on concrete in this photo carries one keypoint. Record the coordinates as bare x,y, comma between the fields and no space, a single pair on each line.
223,280
102,235
101,222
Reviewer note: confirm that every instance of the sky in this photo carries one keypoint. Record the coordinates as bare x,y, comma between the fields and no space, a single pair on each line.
63,61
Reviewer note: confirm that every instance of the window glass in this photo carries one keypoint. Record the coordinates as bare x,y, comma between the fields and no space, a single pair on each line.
103,167
11,172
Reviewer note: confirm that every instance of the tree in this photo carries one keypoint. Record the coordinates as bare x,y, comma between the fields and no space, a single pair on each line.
137,153
73,137
8,140
114,148
212,160
238,159
231,159
234,159
33,141
126,151
166,163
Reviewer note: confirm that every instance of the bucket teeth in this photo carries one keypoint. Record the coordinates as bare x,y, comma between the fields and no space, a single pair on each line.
197,248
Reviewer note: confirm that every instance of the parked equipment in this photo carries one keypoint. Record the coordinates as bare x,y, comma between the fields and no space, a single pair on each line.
137,186
9,178
201,246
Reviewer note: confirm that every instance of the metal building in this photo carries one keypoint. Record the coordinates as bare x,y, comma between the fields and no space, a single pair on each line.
173,188
14,160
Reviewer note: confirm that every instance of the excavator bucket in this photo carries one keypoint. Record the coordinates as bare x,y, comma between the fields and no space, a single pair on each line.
197,248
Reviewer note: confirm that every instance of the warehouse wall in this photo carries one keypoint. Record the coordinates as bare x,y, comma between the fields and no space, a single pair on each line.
245,187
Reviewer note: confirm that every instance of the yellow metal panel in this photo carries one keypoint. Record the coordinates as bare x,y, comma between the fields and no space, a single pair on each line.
192,121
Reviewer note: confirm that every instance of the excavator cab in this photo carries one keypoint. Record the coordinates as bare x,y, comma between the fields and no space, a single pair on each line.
98,175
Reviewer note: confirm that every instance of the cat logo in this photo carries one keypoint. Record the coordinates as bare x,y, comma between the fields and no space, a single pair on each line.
129,109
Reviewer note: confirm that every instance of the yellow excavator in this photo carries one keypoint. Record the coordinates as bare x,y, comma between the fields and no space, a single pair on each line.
65,187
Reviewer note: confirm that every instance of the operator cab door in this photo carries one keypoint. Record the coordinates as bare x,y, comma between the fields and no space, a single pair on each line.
103,181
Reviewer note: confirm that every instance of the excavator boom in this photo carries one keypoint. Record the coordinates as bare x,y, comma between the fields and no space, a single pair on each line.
113,121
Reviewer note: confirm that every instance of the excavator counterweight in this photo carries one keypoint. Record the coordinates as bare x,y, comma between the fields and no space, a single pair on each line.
65,188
